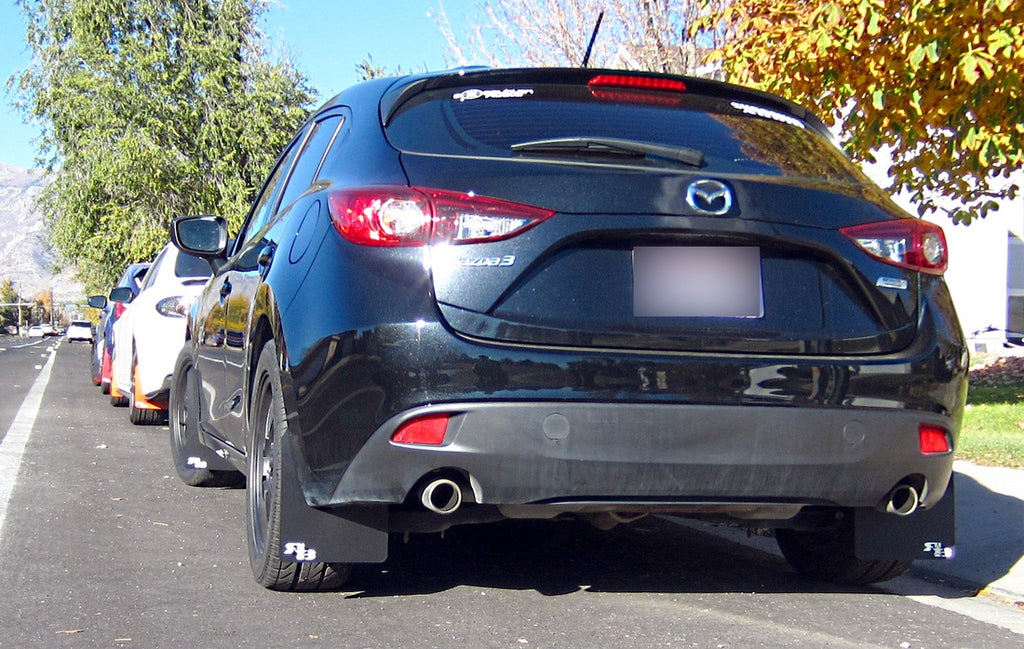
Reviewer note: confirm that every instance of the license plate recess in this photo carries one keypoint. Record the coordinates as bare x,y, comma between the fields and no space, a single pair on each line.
698,282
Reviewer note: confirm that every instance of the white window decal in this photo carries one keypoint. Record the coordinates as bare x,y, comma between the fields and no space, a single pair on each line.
757,111
507,93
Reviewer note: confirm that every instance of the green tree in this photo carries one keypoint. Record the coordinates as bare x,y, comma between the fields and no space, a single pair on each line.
369,69
8,295
151,109
43,309
936,83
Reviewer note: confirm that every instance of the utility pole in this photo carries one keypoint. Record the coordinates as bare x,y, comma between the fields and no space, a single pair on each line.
17,296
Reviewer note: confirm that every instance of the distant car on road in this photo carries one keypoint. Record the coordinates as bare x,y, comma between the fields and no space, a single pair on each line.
104,339
79,330
36,331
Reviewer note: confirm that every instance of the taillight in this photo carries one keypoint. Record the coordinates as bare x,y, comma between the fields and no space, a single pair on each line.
411,216
908,243
636,89
933,440
428,430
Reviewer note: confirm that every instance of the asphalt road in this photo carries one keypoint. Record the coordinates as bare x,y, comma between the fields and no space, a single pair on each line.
102,546
20,362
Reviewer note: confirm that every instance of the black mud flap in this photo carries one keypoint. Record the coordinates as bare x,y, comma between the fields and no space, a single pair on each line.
330,535
926,534
199,456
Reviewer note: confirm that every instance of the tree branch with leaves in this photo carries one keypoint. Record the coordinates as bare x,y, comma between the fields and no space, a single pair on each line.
936,84
649,35
150,109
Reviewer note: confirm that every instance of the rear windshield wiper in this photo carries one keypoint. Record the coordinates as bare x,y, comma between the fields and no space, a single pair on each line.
612,146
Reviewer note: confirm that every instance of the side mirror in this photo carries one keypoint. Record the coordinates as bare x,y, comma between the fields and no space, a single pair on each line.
122,294
203,236
97,301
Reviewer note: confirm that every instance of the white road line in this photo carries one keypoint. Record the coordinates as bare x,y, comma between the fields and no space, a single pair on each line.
12,447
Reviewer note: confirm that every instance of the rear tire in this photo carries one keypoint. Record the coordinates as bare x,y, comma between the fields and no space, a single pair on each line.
116,401
95,364
144,417
141,416
183,422
105,372
828,555
268,427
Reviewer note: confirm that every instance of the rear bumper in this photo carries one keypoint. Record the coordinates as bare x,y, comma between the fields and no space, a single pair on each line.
158,340
540,424
664,454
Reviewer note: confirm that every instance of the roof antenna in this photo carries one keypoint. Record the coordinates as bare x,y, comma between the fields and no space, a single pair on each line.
593,37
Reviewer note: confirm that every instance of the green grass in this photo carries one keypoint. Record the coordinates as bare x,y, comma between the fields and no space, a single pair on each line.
993,426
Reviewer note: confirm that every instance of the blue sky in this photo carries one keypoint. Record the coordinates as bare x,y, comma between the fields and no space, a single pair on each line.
325,38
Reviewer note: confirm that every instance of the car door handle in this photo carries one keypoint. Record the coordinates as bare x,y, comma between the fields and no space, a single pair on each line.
263,261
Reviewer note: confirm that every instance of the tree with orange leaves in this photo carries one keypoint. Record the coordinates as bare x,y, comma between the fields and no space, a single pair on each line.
935,83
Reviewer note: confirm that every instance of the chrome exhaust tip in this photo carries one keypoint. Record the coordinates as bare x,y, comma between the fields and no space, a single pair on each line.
903,500
441,496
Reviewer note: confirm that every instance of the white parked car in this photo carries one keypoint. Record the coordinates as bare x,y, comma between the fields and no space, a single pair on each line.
78,330
151,331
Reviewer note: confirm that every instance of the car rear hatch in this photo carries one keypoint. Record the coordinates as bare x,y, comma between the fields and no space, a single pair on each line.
687,215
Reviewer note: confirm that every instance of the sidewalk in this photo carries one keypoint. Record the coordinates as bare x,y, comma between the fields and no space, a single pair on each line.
990,533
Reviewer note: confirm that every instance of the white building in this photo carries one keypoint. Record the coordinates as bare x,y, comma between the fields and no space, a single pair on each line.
986,270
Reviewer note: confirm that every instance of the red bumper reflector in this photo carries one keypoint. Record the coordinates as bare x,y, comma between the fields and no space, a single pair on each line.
428,430
933,439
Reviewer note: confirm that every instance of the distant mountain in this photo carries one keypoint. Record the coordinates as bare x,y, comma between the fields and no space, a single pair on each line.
25,255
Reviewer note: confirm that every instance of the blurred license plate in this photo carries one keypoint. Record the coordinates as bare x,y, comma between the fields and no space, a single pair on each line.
697,282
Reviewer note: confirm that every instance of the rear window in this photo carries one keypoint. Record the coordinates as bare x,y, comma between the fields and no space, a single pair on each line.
735,137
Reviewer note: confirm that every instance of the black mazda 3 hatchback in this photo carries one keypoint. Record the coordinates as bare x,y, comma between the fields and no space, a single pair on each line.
483,294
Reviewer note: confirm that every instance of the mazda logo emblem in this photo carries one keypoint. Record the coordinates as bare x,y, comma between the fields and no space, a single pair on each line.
709,196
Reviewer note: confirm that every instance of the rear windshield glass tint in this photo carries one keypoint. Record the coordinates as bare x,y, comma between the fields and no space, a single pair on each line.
189,266
734,136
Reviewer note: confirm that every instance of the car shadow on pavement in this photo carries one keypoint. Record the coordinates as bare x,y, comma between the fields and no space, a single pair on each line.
990,537
558,558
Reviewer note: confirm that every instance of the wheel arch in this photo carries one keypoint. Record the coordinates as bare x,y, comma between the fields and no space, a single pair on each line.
266,326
